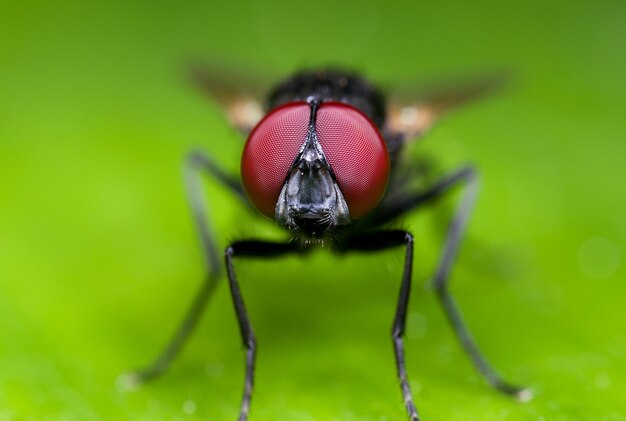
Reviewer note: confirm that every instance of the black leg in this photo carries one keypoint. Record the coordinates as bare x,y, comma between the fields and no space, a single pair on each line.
195,164
403,202
441,281
381,240
249,249
395,208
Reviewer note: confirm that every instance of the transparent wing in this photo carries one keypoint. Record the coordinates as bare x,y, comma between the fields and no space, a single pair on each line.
239,93
413,111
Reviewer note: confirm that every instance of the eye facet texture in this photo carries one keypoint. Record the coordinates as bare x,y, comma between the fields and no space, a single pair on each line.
270,151
357,154
351,143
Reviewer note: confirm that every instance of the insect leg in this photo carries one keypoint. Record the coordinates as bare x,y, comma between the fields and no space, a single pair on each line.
381,240
467,176
249,248
400,204
441,281
195,164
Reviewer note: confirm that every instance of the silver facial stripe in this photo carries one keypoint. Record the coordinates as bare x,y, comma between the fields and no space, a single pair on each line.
310,200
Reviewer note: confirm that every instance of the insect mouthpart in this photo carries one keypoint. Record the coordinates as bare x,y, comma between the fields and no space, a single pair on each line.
310,201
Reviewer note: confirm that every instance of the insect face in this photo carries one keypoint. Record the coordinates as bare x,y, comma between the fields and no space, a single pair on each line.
317,162
314,166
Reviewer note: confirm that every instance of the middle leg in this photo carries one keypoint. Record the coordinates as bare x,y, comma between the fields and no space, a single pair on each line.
467,177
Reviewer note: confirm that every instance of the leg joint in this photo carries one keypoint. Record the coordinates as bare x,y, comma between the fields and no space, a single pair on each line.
195,158
229,252
396,333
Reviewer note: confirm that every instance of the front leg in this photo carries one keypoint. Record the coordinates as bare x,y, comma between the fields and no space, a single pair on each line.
467,178
259,249
381,240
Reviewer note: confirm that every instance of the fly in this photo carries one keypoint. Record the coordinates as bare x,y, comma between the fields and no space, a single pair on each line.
323,162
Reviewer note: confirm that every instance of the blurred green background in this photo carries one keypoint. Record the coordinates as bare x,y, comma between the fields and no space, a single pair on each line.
99,259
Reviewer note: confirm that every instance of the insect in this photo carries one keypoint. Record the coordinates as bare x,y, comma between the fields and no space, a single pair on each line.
323,162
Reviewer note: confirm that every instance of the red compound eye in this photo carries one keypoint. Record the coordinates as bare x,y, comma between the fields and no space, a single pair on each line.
351,143
357,154
270,151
